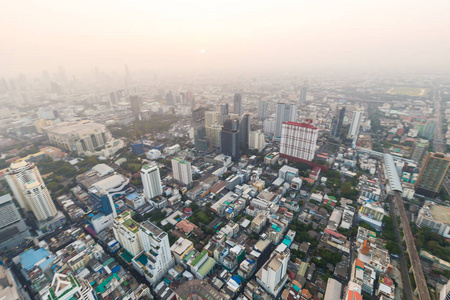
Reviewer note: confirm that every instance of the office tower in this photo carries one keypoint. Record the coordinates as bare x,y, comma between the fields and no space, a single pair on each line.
38,197
238,104
135,107
302,98
213,135
13,230
244,132
256,140
182,171
298,141
273,274
229,139
336,124
419,149
285,113
19,173
224,109
151,181
212,117
263,109
198,123
353,132
432,174
156,253
169,99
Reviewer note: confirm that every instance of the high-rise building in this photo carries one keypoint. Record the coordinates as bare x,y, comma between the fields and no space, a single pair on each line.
432,174
38,197
151,181
29,190
112,98
353,132
13,229
419,149
263,109
198,123
337,122
298,141
224,111
273,274
135,107
257,140
237,104
302,98
244,132
182,171
285,113
126,231
169,99
229,139
212,117
213,135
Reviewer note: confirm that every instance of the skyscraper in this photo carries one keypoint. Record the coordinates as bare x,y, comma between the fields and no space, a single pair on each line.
285,113
238,104
419,149
256,140
432,174
353,132
135,107
337,122
151,181
198,123
303,92
244,132
263,109
224,111
182,171
29,190
169,99
229,139
212,117
298,141
273,274
13,230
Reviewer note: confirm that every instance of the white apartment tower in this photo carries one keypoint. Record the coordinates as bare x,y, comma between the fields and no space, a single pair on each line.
273,274
151,181
126,231
29,190
182,171
298,141
285,113
256,140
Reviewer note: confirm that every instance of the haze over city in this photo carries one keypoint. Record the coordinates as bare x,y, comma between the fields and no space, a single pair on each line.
244,36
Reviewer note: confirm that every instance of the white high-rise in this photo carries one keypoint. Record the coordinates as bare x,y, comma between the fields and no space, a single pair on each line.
298,141
29,190
273,274
182,171
285,113
151,180
353,132
256,140
213,117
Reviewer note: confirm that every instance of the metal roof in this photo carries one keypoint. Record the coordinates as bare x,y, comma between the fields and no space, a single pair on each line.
391,173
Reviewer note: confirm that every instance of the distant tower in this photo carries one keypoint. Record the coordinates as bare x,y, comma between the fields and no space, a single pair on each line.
263,109
285,112
182,171
432,174
151,181
336,124
198,123
229,139
238,104
169,99
224,109
244,132
303,92
135,107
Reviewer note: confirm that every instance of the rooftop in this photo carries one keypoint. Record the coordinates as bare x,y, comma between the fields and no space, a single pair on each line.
199,287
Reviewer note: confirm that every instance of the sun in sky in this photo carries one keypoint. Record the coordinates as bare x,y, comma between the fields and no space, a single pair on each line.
202,51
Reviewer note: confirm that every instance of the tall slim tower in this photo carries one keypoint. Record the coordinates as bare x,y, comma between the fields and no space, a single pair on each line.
229,139
285,113
151,181
337,122
432,174
135,107
39,200
224,109
182,171
244,131
238,104
263,109
303,92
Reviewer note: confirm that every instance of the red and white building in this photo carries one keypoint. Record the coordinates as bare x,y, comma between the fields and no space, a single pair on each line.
298,141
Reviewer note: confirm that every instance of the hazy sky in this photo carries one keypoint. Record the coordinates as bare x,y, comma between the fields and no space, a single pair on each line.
243,35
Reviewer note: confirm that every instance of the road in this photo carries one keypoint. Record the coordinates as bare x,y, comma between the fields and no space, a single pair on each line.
416,264
438,139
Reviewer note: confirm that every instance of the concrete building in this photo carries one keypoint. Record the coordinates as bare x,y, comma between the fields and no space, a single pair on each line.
13,229
284,113
334,290
8,286
257,140
298,141
126,232
244,132
180,248
135,107
263,109
432,174
182,171
65,287
237,104
151,181
213,118
436,217
419,149
39,200
229,139
273,274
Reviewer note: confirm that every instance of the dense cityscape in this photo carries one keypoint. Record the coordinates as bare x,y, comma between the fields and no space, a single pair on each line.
213,188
